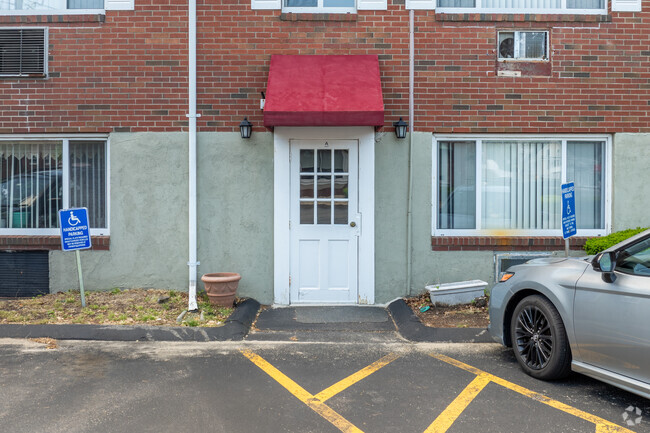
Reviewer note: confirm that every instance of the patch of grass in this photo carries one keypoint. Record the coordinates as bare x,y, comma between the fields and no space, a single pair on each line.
191,322
109,307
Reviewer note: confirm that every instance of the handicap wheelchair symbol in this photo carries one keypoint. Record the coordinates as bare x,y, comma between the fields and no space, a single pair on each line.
73,220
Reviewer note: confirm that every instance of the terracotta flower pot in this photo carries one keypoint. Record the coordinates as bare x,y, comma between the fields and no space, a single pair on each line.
221,287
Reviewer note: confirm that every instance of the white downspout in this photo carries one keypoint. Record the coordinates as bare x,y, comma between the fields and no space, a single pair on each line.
192,262
409,212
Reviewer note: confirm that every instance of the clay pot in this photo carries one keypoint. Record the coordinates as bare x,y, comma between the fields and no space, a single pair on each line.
221,287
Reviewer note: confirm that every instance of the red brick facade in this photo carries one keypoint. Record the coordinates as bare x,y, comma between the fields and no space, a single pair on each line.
127,71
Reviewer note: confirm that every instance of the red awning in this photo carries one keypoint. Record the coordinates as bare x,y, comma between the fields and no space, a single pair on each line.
324,91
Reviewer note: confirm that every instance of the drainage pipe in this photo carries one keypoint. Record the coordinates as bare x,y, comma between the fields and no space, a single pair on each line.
192,262
409,212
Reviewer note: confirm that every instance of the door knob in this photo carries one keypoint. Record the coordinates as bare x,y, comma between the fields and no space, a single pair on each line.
353,224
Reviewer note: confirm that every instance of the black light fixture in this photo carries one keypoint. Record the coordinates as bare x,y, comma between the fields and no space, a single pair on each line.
245,127
400,128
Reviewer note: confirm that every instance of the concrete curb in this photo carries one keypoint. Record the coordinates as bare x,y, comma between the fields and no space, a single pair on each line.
409,327
235,328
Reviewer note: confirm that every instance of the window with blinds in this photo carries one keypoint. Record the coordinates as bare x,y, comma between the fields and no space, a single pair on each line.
529,6
23,52
39,177
513,186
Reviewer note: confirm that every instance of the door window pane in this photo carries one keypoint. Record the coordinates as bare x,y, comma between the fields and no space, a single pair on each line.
306,186
341,161
324,161
306,161
324,186
340,212
306,212
457,185
324,212
340,187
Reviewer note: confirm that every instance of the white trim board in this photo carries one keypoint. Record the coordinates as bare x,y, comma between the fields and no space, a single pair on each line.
281,215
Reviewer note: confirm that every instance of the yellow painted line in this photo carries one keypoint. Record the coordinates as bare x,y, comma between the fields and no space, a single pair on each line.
602,425
356,377
301,394
453,411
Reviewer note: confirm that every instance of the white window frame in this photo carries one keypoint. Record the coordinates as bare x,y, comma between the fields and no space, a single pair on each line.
561,10
319,9
517,34
65,139
564,138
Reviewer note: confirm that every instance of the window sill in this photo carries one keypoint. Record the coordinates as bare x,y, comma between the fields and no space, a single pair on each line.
293,16
52,19
50,243
523,17
504,243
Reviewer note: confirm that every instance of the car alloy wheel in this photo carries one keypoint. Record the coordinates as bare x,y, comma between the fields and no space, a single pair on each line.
539,339
534,337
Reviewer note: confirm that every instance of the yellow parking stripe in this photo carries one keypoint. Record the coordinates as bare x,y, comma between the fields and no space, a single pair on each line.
314,403
356,377
602,425
453,411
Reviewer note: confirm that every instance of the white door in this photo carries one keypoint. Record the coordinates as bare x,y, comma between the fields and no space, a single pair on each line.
324,221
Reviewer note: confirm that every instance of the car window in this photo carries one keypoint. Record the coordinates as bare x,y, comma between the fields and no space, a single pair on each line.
635,259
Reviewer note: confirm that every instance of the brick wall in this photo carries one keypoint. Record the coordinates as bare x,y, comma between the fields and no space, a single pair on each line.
127,71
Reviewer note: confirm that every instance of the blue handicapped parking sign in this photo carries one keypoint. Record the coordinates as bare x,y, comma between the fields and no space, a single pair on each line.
75,230
569,222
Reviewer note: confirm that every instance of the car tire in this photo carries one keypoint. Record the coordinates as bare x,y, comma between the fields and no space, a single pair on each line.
539,339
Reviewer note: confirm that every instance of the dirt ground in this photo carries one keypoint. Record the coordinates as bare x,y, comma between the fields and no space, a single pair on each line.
474,315
115,307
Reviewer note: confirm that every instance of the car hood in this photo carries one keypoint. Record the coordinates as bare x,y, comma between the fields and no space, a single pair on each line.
577,263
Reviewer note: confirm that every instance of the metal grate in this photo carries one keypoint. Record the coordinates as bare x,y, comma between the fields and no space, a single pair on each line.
22,53
24,274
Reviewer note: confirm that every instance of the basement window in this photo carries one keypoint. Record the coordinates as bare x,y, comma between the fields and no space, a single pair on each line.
23,52
523,45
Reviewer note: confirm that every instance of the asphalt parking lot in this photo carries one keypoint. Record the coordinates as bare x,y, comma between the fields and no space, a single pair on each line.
296,387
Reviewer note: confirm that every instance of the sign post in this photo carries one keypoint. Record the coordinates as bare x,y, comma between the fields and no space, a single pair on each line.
569,223
75,236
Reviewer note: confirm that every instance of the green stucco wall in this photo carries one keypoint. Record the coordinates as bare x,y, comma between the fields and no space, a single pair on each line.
149,218
428,267
631,205
149,228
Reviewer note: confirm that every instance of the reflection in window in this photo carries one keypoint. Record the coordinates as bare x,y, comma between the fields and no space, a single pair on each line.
32,176
517,183
329,198
49,5
635,260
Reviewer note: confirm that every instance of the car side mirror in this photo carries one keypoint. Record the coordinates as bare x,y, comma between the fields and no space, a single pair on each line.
606,263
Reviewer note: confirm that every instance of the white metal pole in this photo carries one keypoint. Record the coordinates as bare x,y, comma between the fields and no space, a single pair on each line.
81,280
192,263
409,211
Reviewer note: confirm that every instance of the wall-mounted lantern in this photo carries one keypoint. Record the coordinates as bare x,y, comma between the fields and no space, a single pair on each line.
400,128
246,128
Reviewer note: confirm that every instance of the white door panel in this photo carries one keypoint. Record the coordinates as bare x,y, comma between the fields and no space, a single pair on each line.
324,226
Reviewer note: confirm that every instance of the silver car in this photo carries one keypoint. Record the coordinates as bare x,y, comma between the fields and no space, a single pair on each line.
588,315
